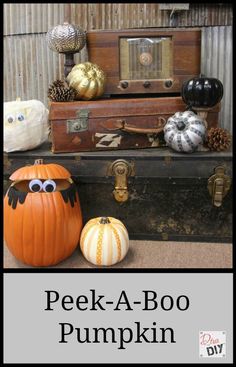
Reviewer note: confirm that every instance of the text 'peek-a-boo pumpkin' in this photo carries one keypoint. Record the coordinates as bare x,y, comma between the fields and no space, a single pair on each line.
42,214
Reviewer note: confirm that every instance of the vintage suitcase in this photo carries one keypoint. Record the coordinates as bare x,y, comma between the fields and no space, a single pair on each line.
157,193
114,123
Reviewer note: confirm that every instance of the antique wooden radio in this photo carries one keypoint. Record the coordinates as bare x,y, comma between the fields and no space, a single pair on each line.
146,60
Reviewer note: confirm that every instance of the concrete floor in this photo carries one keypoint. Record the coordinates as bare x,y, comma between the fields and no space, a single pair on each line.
153,254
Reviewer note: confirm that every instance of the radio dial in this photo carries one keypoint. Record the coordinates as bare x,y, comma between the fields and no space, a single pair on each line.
124,85
147,84
145,59
168,83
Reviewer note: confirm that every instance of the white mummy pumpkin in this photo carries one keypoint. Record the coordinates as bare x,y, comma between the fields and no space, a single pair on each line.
25,125
184,131
104,241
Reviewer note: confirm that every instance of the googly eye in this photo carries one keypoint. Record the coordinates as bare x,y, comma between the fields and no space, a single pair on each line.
20,117
49,186
10,118
35,185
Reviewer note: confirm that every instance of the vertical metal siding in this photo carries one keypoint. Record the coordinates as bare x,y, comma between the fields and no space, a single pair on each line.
37,18
31,18
204,15
216,62
30,66
118,16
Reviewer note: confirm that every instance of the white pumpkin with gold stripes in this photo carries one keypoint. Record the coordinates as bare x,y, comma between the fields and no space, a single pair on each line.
104,241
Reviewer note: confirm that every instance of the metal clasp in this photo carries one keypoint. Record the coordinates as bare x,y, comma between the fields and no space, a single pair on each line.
121,169
218,186
79,124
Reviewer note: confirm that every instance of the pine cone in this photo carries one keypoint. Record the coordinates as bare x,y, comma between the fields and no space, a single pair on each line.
58,83
59,92
218,139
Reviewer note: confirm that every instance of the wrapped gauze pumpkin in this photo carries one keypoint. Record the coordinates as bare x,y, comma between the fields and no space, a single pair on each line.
104,241
88,80
42,214
25,125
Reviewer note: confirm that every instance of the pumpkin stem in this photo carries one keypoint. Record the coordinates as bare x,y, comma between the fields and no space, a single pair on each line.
180,125
104,220
38,161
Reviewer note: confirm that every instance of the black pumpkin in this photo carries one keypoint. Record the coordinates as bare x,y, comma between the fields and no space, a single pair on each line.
202,92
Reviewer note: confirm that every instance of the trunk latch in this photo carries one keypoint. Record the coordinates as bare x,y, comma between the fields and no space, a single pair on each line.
121,169
218,185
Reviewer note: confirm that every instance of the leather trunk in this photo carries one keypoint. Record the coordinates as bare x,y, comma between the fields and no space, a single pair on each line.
114,123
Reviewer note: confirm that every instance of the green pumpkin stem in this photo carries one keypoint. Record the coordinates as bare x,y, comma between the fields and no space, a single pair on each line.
104,220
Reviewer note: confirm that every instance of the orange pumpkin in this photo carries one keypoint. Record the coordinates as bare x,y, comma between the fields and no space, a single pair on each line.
42,214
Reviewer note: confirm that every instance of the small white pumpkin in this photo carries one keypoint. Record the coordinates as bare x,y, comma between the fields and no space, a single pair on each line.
104,241
25,125
184,131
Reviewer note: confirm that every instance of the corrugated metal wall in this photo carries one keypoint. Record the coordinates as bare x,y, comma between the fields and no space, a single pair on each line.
217,61
118,16
29,65
31,18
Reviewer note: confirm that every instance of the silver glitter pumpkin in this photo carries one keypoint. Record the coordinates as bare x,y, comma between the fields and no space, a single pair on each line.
66,38
184,131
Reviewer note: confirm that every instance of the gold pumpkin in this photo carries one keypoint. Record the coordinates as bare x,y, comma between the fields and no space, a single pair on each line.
104,241
88,80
